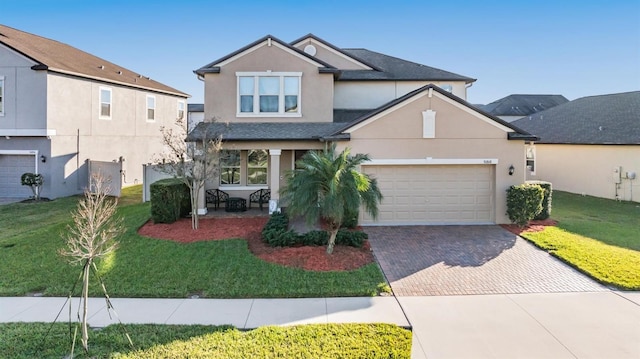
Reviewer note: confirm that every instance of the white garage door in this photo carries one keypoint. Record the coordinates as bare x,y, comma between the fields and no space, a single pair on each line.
11,169
430,194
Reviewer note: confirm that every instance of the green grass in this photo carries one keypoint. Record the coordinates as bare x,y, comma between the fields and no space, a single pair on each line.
30,340
598,236
147,267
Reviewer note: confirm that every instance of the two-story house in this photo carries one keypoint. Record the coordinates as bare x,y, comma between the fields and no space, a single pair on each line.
61,108
437,158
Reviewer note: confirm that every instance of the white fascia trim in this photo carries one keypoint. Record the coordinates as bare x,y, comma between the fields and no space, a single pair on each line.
473,112
432,161
385,112
19,152
242,188
28,133
265,43
337,53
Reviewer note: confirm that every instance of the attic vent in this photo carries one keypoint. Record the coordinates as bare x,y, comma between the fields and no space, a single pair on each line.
310,49
101,67
119,72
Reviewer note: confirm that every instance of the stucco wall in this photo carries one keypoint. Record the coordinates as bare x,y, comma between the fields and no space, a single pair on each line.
459,135
316,89
588,169
372,94
24,93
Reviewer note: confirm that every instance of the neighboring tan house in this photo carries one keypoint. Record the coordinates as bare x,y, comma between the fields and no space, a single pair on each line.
62,109
588,146
513,107
437,158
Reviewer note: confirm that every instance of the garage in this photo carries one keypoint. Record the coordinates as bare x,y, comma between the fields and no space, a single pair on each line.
434,194
12,166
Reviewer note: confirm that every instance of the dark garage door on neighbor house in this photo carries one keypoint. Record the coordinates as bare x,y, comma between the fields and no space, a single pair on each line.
434,194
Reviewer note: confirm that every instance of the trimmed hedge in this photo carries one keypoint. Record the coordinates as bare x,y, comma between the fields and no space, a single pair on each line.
277,234
546,201
524,202
170,200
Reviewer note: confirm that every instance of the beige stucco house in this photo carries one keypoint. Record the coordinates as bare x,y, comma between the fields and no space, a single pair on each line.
61,107
438,159
589,146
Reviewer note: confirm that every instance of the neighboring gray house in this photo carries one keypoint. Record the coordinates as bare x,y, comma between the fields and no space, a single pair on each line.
589,146
61,108
513,107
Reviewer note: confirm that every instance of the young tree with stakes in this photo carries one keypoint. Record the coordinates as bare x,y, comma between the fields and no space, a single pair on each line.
329,185
92,236
193,163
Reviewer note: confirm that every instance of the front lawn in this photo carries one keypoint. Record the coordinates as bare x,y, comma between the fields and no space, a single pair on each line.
146,267
598,236
30,340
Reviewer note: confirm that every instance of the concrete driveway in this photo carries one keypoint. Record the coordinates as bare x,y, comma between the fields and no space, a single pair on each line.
457,260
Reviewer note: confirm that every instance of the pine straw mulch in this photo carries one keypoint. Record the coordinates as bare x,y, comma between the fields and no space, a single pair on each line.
312,258
533,226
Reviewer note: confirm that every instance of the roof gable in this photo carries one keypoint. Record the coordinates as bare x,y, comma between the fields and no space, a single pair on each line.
268,40
54,56
353,61
604,119
433,90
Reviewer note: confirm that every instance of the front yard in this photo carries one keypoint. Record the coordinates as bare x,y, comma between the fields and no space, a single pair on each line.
598,236
147,267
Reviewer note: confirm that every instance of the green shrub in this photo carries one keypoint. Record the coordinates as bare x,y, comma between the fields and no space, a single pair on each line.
170,200
546,201
35,181
351,238
350,219
524,202
277,234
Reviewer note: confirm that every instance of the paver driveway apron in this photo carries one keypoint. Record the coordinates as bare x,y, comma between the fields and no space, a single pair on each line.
482,259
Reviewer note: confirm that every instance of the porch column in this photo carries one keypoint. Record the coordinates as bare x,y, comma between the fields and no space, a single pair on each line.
274,173
202,207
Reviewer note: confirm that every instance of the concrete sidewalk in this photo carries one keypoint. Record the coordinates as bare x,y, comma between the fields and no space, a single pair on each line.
241,313
541,325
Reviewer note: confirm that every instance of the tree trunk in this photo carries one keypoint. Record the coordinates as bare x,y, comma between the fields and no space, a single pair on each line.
333,232
85,306
194,209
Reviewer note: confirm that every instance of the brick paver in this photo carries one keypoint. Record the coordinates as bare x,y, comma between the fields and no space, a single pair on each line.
455,260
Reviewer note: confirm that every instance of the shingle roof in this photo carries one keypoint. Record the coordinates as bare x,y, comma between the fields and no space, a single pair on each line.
604,119
265,131
55,56
394,69
213,68
523,105
195,107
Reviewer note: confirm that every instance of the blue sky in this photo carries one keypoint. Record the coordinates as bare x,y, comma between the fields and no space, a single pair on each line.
573,48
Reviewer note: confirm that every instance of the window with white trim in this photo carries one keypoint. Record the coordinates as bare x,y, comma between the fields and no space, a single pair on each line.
1,95
151,108
531,159
230,167
181,107
257,167
105,103
268,94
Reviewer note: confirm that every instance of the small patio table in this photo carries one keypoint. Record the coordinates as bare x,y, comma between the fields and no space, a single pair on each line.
235,204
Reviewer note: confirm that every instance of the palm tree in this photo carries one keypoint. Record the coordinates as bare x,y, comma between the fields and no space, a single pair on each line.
328,185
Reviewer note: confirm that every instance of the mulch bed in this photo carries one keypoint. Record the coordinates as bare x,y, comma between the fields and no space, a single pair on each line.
312,258
534,226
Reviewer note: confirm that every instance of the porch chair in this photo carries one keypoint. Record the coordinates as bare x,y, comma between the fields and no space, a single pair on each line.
215,197
260,197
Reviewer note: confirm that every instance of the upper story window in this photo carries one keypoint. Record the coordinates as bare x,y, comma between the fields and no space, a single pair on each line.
268,94
151,108
181,106
531,159
1,95
105,103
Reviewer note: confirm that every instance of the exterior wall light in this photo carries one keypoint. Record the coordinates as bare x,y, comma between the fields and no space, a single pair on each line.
511,170
43,158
